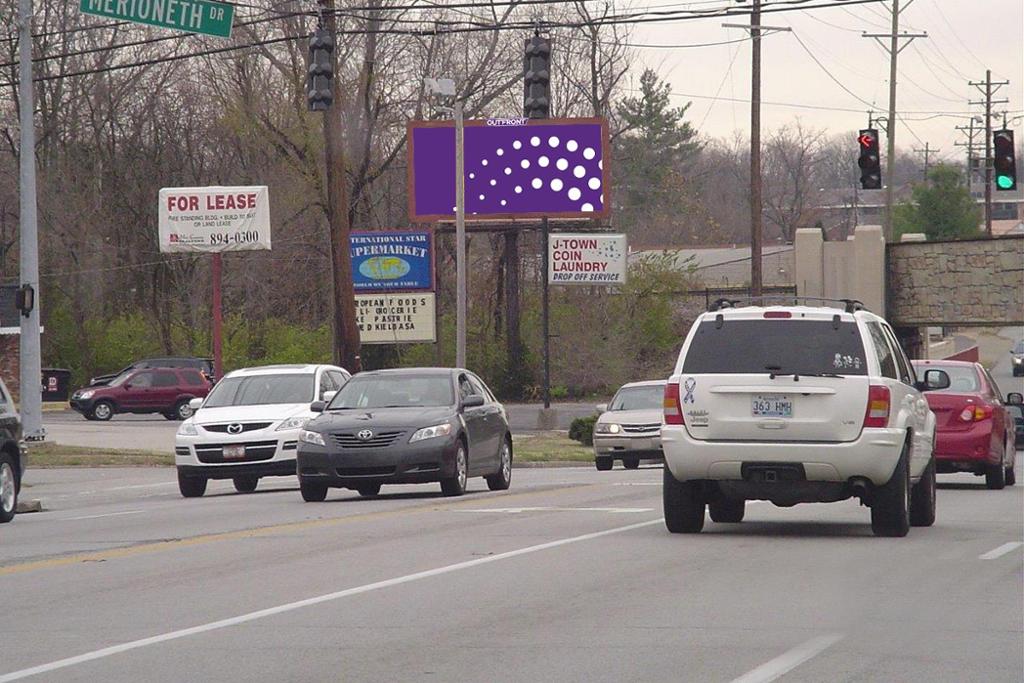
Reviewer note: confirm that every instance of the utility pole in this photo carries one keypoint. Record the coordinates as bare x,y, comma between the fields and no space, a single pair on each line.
460,240
30,371
927,154
756,217
970,131
346,330
987,88
893,48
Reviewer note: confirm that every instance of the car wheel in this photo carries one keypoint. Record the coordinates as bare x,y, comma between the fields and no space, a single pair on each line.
922,498
603,464
368,490
182,411
727,510
246,484
312,492
502,479
995,475
631,463
890,509
191,487
8,487
683,505
103,411
456,486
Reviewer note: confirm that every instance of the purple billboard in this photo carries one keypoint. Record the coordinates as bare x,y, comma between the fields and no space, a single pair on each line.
514,168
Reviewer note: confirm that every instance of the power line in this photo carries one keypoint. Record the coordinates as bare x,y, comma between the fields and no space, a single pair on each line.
829,73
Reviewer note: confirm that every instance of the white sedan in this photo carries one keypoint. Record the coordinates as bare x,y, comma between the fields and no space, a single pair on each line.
249,425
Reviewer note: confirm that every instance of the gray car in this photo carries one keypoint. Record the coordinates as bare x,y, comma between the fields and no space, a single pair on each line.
629,428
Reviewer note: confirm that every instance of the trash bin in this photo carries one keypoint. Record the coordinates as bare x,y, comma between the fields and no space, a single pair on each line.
55,384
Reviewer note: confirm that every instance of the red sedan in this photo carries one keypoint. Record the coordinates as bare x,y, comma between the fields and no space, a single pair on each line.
974,431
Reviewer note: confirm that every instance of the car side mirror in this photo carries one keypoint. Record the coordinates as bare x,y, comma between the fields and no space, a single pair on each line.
935,380
195,404
474,401
602,407
328,395
1015,399
317,406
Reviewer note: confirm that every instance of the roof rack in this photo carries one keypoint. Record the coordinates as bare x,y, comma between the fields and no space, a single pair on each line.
849,305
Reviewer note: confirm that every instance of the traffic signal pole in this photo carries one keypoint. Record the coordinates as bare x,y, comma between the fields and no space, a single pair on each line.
756,219
30,371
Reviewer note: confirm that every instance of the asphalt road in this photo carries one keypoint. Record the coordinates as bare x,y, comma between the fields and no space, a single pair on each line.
570,576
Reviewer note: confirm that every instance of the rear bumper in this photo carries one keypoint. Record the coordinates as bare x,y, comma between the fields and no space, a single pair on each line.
873,455
971,447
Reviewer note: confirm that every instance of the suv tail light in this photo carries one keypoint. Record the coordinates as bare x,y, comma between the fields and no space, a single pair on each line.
673,407
877,413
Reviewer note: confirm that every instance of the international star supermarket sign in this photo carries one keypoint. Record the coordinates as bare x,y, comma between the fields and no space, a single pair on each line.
514,168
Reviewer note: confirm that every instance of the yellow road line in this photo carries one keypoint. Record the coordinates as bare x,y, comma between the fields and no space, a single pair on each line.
146,548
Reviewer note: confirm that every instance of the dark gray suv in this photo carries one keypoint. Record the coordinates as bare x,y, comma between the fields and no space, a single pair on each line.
12,460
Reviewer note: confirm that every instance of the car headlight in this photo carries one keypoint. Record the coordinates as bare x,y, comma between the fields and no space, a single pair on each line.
431,432
315,438
187,428
292,423
86,394
607,428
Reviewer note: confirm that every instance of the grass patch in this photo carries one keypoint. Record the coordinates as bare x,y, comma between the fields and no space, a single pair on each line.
58,455
550,446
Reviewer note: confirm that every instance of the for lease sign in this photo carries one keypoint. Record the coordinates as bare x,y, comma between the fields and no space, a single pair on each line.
390,318
586,259
213,219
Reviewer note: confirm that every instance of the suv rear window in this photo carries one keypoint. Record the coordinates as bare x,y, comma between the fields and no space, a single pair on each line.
784,346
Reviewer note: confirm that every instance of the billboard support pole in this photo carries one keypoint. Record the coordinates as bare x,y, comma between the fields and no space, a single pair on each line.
546,317
460,240
218,318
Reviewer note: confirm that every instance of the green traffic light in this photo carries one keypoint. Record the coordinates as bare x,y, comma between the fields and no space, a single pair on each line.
1004,181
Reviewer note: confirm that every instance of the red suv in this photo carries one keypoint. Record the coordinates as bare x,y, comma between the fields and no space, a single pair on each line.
974,431
153,390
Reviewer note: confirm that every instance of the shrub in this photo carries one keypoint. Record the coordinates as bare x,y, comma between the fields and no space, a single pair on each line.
582,430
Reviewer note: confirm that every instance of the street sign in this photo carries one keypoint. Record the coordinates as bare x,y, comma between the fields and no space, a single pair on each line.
194,16
586,259
392,260
514,168
214,219
395,318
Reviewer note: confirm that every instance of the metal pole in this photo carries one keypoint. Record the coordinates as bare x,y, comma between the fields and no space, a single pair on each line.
218,318
988,152
31,372
546,317
460,241
890,126
755,152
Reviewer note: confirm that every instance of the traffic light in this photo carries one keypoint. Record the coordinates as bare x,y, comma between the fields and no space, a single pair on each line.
1003,160
869,162
321,70
537,78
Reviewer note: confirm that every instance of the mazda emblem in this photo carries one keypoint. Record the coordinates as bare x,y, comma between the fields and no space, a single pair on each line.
235,429
364,435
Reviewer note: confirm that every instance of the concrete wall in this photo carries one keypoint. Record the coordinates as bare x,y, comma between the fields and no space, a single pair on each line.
854,269
968,282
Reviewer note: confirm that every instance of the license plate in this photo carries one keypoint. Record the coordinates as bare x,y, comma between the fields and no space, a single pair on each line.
234,452
771,406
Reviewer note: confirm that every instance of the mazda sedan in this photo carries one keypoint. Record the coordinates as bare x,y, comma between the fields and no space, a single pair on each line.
406,426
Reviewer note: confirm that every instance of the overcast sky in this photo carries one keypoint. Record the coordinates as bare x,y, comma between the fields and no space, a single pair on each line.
964,38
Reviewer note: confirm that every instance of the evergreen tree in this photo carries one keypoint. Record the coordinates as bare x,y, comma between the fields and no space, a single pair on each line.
942,208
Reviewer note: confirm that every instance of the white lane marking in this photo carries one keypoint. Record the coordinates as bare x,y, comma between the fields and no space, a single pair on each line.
513,511
308,602
109,514
1000,551
788,661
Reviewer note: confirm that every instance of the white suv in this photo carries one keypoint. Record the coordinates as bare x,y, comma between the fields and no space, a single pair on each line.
797,404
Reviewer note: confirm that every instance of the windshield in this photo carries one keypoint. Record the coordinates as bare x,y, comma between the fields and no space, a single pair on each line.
121,377
1019,348
804,347
962,380
258,390
639,398
395,391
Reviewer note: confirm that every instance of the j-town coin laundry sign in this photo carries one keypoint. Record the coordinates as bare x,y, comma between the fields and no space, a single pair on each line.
194,16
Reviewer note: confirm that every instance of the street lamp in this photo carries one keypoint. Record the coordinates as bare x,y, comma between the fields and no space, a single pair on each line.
445,87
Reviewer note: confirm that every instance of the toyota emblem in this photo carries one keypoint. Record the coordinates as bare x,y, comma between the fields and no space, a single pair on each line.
235,429
364,435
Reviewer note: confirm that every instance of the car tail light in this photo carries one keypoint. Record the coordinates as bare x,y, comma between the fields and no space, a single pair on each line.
975,413
778,314
877,413
673,407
